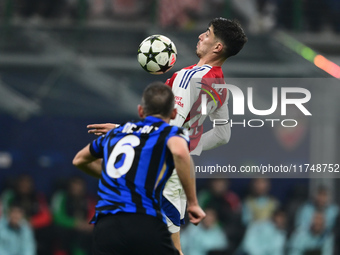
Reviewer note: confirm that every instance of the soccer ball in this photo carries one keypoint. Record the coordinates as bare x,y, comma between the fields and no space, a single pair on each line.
157,54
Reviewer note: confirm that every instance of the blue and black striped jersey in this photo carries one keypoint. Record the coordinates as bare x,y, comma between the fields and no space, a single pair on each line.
136,165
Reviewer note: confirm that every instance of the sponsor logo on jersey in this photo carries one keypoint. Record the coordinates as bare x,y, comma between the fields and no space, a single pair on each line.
178,101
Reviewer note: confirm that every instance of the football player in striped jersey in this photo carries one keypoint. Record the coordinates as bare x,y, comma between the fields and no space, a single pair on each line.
137,160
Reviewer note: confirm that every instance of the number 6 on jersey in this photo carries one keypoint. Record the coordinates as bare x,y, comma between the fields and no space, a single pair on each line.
124,146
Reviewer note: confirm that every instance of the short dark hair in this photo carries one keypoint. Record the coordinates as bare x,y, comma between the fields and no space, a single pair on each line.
158,99
231,34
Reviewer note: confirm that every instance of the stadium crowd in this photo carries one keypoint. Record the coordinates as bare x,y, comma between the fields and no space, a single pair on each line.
33,224
260,224
258,16
256,224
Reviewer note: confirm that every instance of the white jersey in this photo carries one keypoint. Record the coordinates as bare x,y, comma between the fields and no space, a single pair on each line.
188,86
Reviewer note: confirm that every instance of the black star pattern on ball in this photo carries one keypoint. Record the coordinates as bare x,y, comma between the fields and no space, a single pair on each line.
150,56
154,38
168,49
164,68
145,68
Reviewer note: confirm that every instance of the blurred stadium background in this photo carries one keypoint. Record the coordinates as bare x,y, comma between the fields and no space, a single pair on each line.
68,63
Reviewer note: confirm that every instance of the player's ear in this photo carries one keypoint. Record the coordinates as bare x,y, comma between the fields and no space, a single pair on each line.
218,47
173,114
141,111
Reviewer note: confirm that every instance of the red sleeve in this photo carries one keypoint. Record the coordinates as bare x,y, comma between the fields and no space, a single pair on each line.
170,81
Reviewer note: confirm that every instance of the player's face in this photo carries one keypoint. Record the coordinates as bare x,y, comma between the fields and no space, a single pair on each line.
206,42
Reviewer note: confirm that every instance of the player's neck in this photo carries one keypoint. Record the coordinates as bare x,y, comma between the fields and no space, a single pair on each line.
210,62
167,120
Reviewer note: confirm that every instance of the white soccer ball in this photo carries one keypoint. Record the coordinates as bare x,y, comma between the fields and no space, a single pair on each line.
157,54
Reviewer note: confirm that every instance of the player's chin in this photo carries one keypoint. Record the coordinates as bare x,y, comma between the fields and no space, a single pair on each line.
198,53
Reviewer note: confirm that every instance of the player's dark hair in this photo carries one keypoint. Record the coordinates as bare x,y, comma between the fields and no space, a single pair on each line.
158,99
231,34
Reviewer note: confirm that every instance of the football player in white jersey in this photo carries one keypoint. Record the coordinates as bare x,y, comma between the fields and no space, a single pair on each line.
223,38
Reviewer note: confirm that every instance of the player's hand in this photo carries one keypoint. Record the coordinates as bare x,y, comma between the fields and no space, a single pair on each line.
101,129
196,214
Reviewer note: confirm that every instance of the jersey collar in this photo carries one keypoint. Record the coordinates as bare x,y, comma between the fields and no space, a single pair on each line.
153,119
205,65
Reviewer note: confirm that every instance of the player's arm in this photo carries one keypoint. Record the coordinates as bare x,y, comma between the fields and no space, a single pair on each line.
88,163
178,121
186,94
220,134
185,170
101,129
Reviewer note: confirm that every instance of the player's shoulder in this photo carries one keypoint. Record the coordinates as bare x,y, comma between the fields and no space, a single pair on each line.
126,127
196,68
189,67
214,72
202,71
209,68
178,131
185,76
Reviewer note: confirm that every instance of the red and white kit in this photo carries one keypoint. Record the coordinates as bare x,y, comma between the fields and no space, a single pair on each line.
188,86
